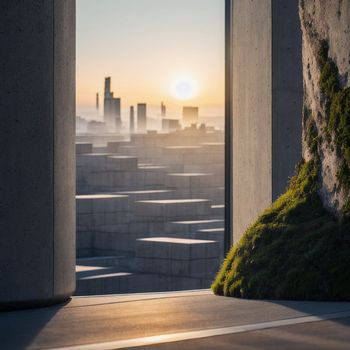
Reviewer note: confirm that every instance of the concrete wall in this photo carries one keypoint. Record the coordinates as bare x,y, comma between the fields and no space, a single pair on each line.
287,92
37,219
266,104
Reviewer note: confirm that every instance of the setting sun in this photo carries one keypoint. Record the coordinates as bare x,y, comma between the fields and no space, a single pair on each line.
184,89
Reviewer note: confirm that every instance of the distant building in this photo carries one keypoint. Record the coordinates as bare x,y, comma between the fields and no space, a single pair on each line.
96,127
190,116
132,119
163,110
170,124
97,101
141,117
112,108
81,124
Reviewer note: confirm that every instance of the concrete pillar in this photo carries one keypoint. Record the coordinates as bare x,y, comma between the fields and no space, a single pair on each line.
266,92
37,158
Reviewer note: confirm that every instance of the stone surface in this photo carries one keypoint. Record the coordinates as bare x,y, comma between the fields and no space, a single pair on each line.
267,104
37,127
330,21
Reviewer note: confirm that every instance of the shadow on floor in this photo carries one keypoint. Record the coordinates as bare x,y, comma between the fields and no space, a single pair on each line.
18,329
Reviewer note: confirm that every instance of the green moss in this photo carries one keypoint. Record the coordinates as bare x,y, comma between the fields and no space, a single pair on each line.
338,113
323,53
289,252
296,249
344,176
339,123
346,209
312,137
329,83
339,127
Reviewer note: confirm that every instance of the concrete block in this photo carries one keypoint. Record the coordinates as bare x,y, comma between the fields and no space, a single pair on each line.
114,146
181,150
147,194
193,226
218,210
106,219
213,147
215,168
113,243
181,257
120,261
201,268
172,208
176,248
123,282
93,161
215,234
191,181
122,163
83,148
101,203
84,239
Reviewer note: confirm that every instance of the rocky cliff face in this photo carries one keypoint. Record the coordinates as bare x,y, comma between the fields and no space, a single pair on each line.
326,118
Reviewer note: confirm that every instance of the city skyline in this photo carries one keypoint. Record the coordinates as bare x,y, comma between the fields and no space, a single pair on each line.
174,52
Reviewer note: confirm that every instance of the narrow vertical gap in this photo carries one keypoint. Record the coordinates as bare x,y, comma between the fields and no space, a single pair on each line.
228,126
272,103
53,147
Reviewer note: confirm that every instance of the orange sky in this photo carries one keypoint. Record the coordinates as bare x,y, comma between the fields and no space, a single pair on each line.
146,46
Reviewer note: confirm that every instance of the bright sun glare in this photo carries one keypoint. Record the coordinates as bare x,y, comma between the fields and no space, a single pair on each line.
184,89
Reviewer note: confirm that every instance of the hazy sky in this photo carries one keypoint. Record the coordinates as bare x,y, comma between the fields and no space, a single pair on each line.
154,50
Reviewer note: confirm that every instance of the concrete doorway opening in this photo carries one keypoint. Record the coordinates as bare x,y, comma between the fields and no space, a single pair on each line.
150,145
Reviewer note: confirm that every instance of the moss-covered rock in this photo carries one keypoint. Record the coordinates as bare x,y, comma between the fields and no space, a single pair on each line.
326,72
295,250
338,121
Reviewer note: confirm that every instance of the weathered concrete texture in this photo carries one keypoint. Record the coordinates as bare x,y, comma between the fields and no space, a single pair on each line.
329,21
267,104
64,145
287,93
37,160
178,256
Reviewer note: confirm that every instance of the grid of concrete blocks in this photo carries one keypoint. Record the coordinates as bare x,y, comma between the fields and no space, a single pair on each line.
150,212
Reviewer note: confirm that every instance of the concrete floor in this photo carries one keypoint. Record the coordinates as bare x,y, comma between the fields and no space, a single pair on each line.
113,322
323,335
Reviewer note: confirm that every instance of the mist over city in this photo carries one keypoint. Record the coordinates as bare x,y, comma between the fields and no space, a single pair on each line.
161,52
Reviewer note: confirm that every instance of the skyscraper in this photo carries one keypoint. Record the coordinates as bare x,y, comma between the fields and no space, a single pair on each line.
163,110
141,117
132,119
108,93
112,109
190,115
97,101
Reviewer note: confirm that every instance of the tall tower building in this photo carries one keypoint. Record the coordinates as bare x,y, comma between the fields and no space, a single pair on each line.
190,116
108,93
141,117
97,101
132,120
163,110
112,108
